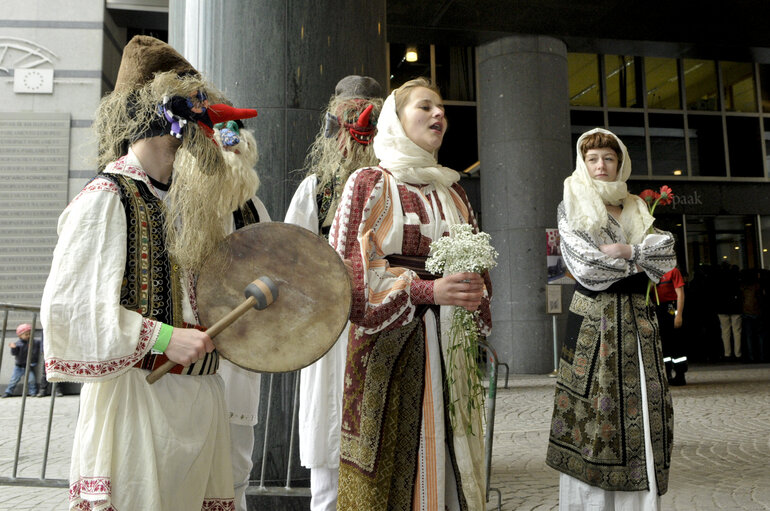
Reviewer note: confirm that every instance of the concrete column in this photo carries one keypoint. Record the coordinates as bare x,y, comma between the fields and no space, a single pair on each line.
284,59
524,147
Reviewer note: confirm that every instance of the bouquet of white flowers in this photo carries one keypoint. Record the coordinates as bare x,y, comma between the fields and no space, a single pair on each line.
463,251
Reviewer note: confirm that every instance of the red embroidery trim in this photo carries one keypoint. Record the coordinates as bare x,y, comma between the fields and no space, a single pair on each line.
93,486
218,505
98,185
91,369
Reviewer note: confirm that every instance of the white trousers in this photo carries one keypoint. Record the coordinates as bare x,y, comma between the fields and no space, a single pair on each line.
241,447
323,488
728,322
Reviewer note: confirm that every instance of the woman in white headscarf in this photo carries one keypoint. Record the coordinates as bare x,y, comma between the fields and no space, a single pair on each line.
398,449
612,426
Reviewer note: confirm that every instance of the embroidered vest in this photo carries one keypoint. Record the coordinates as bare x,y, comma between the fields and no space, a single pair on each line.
151,281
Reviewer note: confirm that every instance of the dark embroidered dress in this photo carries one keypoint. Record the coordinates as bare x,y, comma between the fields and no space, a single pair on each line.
597,430
389,365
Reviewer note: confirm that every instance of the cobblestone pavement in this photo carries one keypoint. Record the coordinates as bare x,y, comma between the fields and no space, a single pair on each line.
721,457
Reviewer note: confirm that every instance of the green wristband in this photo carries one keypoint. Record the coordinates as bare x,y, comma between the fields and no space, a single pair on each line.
164,336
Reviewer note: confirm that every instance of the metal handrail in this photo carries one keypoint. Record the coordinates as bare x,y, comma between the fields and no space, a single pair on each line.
491,403
287,490
24,481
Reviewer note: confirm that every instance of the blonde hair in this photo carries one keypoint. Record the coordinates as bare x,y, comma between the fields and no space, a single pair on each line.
402,93
199,203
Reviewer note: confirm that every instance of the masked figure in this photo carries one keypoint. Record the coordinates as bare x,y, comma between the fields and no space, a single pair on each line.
343,145
120,298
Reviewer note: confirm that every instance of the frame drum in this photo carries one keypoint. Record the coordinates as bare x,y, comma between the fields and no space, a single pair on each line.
307,317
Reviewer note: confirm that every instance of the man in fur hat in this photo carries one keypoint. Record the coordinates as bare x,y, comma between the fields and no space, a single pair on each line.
342,146
120,299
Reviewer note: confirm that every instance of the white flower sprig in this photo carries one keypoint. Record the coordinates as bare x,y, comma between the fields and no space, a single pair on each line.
463,251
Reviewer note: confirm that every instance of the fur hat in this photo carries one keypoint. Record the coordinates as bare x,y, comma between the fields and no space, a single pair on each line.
24,327
144,56
355,86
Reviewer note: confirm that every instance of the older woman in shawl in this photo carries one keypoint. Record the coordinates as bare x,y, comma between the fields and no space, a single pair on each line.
612,424
398,449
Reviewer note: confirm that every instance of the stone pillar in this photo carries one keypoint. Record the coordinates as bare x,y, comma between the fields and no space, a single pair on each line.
284,59
524,148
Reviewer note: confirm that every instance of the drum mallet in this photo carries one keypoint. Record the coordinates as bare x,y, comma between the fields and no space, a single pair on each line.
259,294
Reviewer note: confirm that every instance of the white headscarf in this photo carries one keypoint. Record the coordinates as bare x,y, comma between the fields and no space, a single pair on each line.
585,197
410,163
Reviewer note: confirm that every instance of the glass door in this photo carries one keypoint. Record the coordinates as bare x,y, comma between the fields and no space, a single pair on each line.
718,240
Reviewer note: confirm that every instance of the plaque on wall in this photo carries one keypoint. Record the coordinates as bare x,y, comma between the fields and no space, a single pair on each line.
34,168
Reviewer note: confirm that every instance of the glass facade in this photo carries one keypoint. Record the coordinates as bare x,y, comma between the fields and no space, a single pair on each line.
714,240
696,118
456,72
629,126
662,78
402,70
707,151
583,72
739,88
764,229
745,144
700,81
668,151
621,80
764,81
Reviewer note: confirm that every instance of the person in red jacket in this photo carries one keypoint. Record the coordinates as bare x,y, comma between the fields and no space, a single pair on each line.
670,307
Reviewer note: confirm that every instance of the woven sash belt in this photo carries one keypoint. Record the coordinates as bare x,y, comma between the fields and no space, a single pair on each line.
417,265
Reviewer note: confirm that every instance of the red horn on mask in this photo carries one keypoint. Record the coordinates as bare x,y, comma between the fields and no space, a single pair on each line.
223,113
363,119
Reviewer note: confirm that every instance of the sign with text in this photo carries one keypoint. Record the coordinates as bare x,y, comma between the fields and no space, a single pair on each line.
34,168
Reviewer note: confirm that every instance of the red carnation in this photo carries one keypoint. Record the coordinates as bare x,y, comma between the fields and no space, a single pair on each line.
649,196
666,195
652,199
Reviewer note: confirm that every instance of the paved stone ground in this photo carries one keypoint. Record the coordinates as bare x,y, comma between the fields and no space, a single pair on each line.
721,457
32,448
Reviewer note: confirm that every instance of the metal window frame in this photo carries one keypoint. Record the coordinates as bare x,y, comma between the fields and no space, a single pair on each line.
685,113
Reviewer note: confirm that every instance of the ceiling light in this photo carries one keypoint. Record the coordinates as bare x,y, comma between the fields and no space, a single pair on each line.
411,54
677,172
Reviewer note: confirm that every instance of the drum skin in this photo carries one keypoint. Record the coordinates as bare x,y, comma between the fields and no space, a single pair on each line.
307,317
